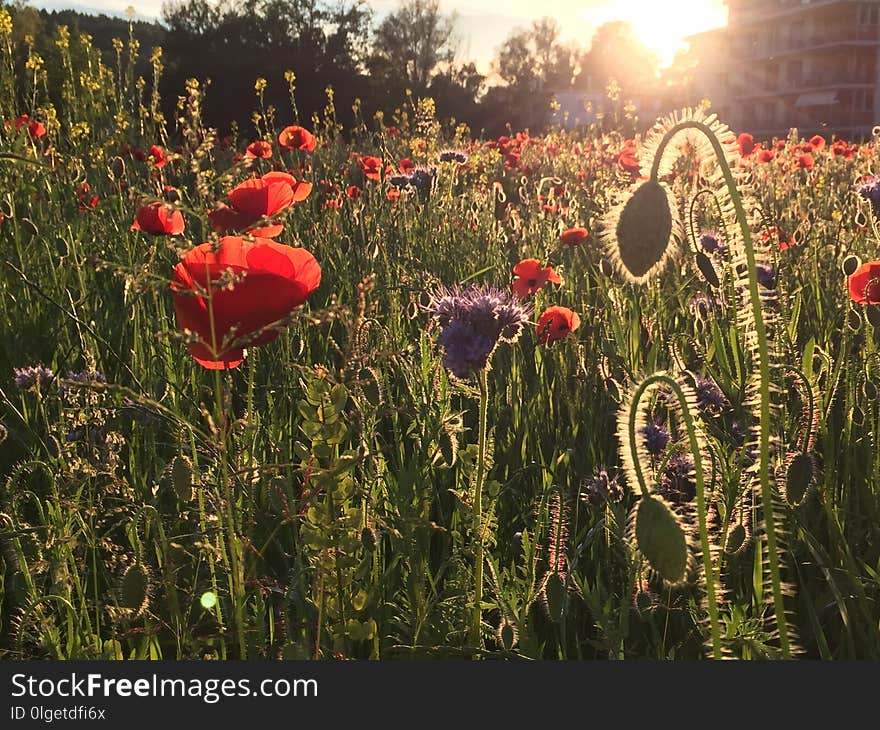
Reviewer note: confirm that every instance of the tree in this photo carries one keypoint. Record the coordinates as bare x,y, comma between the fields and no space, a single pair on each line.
412,43
234,42
535,60
534,65
616,53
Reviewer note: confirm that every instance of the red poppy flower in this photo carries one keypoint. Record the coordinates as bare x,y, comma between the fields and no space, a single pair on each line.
260,149
765,156
628,160
247,288
556,323
531,277
370,166
785,241
406,165
817,141
780,144
805,162
864,284
158,155
87,200
159,219
258,198
353,192
574,236
393,131
297,138
841,149
35,129
746,144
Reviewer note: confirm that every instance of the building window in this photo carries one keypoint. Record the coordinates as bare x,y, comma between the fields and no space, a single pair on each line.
869,14
863,101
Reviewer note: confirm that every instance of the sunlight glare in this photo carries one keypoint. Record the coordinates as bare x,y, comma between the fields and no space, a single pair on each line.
661,26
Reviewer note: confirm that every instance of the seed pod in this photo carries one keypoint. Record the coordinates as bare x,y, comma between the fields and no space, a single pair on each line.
643,234
661,538
182,478
850,264
704,264
134,589
799,477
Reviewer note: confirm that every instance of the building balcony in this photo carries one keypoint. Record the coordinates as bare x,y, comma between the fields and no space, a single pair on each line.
751,85
826,40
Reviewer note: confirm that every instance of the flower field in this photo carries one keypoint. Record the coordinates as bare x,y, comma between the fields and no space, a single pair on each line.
399,392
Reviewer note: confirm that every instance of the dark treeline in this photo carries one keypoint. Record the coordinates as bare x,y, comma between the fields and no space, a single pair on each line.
340,43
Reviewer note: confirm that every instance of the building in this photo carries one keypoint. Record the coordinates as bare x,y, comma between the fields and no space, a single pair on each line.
809,64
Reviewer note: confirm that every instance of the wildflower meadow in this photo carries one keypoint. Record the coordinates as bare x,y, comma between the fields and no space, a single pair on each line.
399,390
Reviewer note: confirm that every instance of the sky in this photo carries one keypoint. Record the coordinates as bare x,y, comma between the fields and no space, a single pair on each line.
483,25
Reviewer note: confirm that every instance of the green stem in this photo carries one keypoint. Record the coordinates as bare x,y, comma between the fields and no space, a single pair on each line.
476,633
694,445
763,365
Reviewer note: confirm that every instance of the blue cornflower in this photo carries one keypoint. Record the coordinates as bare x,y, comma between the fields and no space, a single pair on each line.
421,179
869,189
473,320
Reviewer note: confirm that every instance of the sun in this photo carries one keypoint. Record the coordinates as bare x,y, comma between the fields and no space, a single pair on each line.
661,26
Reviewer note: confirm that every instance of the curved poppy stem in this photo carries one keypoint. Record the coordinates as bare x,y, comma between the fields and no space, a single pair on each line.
763,353
694,446
477,528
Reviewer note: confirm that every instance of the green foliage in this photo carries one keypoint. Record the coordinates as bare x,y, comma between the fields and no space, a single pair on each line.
318,501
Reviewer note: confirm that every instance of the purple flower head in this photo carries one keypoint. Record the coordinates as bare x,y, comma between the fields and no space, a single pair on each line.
399,181
766,276
82,378
473,320
712,242
677,480
601,488
459,156
656,436
32,376
702,304
870,191
421,179
709,395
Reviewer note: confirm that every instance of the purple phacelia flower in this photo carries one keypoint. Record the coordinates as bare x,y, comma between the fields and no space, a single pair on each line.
453,156
709,395
766,276
712,242
473,321
677,480
33,376
72,381
656,436
601,488
421,179
869,189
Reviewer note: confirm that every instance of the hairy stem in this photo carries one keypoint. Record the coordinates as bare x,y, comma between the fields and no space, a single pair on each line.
763,364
